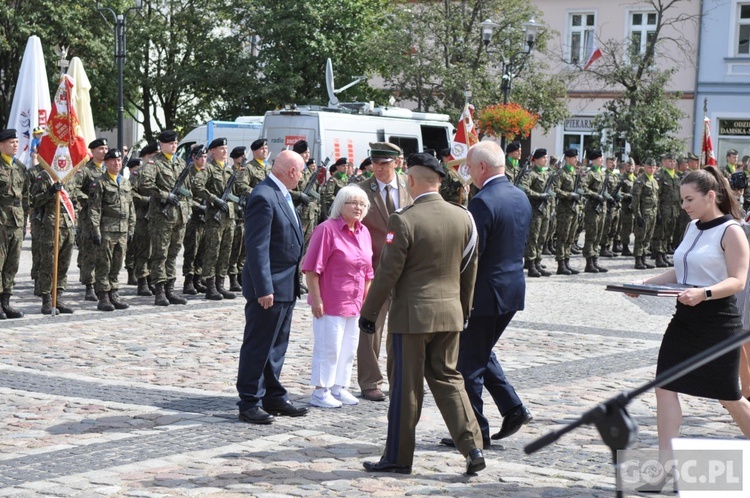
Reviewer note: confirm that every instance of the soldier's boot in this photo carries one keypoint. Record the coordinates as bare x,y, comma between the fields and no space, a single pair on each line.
220,287
605,252
198,284
574,249
590,267
2,314
211,292
533,272
670,249
660,261
61,306
562,269
47,308
234,284
90,294
600,268
104,303
37,292
188,287
640,263
143,289
527,264
151,286
617,246
648,265
668,261
541,268
160,298
545,250
626,250
171,296
9,310
572,270
131,277
118,303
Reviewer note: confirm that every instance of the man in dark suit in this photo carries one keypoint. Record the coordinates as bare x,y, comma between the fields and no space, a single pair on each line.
270,283
502,214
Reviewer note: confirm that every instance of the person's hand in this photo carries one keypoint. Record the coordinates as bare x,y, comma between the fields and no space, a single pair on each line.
640,222
221,204
619,196
173,199
316,303
580,192
552,195
304,198
691,297
54,188
266,301
544,196
607,196
639,282
600,198
96,240
130,238
574,196
366,326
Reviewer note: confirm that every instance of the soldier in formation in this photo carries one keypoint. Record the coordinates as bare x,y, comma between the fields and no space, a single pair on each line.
668,211
194,242
536,186
569,196
645,204
595,190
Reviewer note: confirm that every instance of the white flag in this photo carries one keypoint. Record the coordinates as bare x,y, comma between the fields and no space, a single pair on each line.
82,100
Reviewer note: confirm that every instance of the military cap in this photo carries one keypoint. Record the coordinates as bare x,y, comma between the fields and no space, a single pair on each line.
512,147
217,142
732,152
384,149
692,157
364,164
113,154
167,136
310,161
540,153
445,152
149,149
198,150
341,161
238,152
332,168
258,144
594,154
98,143
427,161
300,146
571,152
135,162
667,155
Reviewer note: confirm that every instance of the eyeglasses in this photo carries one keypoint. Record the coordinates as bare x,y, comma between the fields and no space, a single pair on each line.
354,203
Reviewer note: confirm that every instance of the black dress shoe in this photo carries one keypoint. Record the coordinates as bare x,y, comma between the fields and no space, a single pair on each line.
513,421
446,441
287,409
256,415
386,466
475,461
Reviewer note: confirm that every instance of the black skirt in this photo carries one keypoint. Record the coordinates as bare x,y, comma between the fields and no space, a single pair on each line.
694,329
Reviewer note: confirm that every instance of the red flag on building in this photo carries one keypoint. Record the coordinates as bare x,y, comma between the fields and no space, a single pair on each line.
594,55
707,151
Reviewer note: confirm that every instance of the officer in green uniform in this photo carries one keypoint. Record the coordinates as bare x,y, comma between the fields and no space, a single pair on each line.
612,219
336,182
452,188
534,184
594,187
168,214
256,168
14,202
669,210
731,163
141,241
626,211
568,197
81,183
512,161
645,202
194,243
112,225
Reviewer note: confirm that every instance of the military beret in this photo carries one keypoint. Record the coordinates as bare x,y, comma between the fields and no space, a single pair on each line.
341,161
217,142
430,152
198,150
732,152
512,147
113,154
332,168
258,144
310,161
135,162
300,146
594,154
98,143
364,164
445,152
540,153
167,136
238,152
8,134
384,149
571,152
427,161
149,149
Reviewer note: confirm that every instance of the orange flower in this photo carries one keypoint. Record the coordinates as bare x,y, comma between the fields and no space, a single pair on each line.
510,120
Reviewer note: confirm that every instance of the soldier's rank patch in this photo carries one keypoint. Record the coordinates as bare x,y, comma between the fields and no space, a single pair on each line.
403,184
389,237
373,187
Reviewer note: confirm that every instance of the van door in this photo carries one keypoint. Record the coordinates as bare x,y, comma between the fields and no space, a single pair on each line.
409,145
435,137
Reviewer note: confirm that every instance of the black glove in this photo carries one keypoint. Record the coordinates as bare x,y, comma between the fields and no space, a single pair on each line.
366,326
600,198
221,204
54,188
544,196
640,222
574,196
202,208
173,199
96,240
130,238
304,198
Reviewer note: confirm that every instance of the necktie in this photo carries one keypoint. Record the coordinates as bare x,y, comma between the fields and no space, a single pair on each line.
389,206
291,204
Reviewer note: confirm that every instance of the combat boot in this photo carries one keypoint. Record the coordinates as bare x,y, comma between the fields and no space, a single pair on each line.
160,298
234,284
104,302
131,277
617,247
198,284
570,268
9,310
545,250
562,269
590,267
90,294
668,261
211,292
188,287
527,264
600,268
118,303
47,308
61,306
575,249
143,289
660,262
2,314
151,286
626,250
220,287
533,272
605,252
639,263
541,269
171,296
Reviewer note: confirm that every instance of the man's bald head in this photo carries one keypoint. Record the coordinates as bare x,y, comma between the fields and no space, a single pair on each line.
288,168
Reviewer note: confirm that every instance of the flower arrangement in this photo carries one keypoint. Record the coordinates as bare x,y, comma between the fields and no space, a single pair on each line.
509,120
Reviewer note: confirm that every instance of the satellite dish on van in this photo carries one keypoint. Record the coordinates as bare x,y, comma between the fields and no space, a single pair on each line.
333,101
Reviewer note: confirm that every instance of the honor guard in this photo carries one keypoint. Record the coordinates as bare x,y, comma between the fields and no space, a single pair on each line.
534,185
645,203
194,243
595,190
141,240
569,196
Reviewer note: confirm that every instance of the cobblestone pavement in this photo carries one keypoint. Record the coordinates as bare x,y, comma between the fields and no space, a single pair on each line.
141,403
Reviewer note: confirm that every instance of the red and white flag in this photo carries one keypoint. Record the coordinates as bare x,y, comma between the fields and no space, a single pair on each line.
466,135
707,150
594,54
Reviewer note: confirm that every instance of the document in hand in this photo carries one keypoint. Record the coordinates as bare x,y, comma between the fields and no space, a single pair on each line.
659,290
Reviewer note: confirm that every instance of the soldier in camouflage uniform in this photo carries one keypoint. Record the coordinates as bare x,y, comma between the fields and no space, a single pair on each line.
611,230
81,183
731,163
452,188
569,193
684,218
365,171
336,182
168,214
112,224
594,187
141,241
669,210
513,161
533,185
645,202
194,243
626,211
35,223
14,203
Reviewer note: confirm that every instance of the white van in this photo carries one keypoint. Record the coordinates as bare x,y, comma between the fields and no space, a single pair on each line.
242,131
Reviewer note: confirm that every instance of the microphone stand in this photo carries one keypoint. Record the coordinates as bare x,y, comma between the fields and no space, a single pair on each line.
617,429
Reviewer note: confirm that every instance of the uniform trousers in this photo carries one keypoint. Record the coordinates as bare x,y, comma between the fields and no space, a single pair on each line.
567,223
237,252
193,247
626,224
335,341
219,236
594,223
141,248
412,359
35,230
86,249
643,234
537,234
10,255
110,256
369,375
166,242
46,248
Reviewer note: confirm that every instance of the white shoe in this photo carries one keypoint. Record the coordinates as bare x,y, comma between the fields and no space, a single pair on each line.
322,398
345,397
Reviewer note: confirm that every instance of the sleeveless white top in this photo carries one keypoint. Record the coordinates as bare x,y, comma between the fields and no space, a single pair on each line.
699,260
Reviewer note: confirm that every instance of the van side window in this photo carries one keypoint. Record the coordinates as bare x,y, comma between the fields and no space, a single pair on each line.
408,144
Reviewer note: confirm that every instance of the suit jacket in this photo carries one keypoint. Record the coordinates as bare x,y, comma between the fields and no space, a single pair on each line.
273,245
376,220
502,213
421,269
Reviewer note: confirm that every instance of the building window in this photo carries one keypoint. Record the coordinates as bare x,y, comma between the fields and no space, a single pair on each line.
743,30
581,36
642,31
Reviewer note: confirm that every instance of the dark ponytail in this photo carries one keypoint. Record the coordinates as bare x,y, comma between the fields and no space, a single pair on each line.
709,178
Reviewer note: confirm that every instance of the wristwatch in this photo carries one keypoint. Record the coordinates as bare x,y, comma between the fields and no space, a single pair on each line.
708,292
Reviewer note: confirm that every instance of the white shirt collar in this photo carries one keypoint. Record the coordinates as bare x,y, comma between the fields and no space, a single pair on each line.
488,180
281,186
393,183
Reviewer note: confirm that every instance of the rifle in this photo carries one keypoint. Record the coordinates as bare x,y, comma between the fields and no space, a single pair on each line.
614,202
522,172
311,182
602,192
551,181
178,188
227,194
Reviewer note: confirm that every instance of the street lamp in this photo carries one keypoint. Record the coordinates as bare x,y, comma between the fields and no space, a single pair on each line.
120,51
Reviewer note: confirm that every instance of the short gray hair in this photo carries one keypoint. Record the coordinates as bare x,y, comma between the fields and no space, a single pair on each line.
489,153
346,194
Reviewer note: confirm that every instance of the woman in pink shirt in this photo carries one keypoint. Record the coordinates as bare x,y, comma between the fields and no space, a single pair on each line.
338,269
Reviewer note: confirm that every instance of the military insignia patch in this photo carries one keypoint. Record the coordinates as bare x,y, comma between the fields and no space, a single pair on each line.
389,237
374,187
403,184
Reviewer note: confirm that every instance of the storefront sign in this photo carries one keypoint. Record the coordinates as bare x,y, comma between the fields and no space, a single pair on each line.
579,123
736,127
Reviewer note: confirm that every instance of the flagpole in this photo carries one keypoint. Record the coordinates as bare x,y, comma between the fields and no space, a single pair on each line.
704,151
56,253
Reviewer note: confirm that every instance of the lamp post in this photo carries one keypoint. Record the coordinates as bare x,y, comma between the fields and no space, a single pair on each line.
120,52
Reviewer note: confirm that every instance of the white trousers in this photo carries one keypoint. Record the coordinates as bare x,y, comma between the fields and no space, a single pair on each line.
334,347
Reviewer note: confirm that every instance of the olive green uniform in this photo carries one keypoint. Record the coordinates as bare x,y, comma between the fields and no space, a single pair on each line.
35,223
533,184
208,188
594,212
310,214
626,211
669,210
329,190
82,181
194,241
251,176
452,189
645,201
567,211
14,202
614,210
141,241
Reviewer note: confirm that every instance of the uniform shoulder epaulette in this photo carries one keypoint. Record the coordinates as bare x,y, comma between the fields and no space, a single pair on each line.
403,209
458,205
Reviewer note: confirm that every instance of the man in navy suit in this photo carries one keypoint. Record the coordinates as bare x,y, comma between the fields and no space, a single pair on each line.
270,284
502,214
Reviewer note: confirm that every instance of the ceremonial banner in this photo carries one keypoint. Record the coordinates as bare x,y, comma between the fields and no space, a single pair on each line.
82,100
31,103
707,150
466,136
